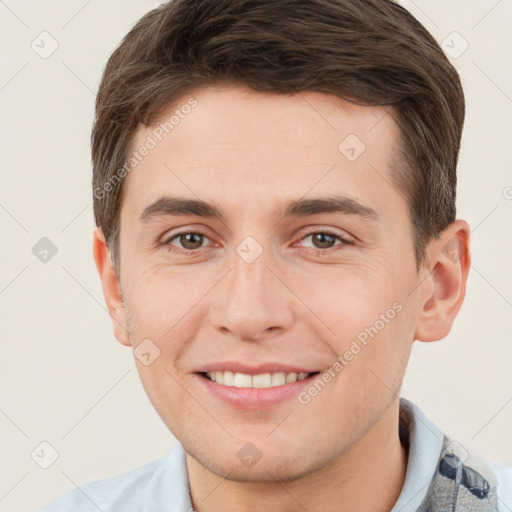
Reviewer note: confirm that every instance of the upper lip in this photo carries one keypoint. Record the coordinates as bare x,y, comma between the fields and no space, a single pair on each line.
254,369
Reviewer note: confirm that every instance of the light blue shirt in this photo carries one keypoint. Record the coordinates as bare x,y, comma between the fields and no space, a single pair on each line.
162,485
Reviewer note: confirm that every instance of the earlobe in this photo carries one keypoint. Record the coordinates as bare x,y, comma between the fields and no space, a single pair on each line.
449,262
111,287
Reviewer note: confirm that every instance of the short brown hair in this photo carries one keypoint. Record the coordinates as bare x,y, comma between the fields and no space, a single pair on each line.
370,52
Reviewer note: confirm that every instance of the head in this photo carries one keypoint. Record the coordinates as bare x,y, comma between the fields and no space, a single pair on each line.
274,182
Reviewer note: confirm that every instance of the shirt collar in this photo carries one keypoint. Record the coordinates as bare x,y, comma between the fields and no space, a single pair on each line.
425,442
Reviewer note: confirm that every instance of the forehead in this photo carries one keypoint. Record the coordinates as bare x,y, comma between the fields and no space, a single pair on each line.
259,146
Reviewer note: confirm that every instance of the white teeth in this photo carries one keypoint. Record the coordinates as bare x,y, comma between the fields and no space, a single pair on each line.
290,377
228,378
278,379
262,380
242,380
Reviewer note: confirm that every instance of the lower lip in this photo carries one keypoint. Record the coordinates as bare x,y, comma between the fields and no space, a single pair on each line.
255,398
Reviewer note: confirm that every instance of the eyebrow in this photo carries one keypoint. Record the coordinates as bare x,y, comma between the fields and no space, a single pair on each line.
169,206
335,204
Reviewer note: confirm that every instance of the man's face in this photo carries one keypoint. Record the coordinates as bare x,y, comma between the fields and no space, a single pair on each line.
277,283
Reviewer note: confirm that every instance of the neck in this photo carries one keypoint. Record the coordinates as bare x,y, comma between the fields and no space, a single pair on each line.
369,476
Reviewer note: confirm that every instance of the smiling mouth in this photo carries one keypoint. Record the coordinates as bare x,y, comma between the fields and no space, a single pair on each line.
263,380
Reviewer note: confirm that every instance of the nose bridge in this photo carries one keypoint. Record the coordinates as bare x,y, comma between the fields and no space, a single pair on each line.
252,302
248,280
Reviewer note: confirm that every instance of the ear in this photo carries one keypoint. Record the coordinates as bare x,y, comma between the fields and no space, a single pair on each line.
111,287
449,261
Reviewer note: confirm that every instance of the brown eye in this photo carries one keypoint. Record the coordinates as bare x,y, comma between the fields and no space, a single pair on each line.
323,240
191,241
185,242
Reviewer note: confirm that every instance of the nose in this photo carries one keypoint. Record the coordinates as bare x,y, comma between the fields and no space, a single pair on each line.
252,303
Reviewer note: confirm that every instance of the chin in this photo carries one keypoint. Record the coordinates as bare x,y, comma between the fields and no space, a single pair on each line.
274,467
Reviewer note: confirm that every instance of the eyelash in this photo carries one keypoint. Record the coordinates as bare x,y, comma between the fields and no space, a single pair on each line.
342,239
170,248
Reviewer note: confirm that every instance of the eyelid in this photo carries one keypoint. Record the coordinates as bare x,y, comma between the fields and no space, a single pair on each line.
182,230
169,236
183,233
342,235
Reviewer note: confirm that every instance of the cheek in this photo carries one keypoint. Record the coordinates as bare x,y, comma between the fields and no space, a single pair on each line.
348,299
367,321
159,296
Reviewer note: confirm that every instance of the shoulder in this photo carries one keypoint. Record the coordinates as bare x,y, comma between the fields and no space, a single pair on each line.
127,491
504,486
432,454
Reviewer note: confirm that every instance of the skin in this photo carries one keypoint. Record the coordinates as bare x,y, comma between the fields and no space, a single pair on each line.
299,302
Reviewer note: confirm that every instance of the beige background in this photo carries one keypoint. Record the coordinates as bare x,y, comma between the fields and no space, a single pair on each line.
66,381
